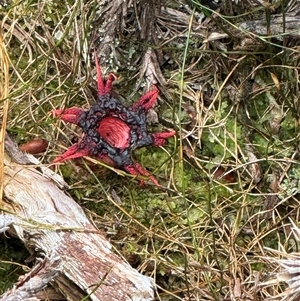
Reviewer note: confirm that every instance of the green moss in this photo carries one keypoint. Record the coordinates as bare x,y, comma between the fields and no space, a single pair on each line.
13,254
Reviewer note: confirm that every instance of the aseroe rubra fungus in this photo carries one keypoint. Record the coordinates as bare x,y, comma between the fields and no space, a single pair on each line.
111,130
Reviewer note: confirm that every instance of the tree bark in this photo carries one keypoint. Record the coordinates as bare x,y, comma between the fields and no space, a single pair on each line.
75,255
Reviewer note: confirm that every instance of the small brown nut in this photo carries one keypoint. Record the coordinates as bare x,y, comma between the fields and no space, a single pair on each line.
220,174
34,146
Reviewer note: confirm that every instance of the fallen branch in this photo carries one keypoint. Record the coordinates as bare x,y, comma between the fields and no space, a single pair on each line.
53,225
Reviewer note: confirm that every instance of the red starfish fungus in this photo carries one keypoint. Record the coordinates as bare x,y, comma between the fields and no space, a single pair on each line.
112,131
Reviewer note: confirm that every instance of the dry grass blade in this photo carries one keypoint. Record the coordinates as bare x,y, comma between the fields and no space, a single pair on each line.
4,90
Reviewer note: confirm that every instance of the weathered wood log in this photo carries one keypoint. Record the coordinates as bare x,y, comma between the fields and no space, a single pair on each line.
54,227
280,25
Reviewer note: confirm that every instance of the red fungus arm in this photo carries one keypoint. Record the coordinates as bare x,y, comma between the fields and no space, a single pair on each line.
71,115
147,101
160,138
103,86
139,170
71,153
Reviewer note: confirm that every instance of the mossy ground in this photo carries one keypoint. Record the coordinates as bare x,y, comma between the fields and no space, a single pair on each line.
230,179
12,264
